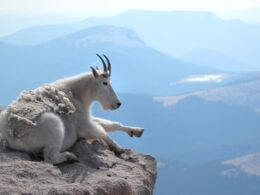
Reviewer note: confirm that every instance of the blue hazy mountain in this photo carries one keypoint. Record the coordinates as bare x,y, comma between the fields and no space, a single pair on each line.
214,59
11,23
137,68
175,33
243,92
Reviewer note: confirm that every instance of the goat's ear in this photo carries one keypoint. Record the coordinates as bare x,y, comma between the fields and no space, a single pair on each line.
94,72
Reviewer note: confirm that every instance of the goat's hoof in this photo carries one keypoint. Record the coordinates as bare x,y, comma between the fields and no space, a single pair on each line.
137,132
140,133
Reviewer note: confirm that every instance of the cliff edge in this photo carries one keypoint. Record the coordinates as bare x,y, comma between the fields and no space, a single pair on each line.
99,172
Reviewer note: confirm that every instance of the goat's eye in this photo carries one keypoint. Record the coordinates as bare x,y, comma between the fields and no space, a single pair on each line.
105,83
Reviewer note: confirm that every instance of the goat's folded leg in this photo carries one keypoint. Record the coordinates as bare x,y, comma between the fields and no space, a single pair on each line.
49,135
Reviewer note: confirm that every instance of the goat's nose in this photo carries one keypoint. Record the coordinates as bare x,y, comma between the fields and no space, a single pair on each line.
119,104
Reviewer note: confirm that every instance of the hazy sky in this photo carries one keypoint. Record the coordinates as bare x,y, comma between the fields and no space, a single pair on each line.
109,7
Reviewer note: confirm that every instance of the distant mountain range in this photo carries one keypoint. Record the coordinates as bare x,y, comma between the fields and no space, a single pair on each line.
214,59
11,23
243,93
137,68
175,33
212,178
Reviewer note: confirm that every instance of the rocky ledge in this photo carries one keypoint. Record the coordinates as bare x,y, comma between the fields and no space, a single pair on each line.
99,172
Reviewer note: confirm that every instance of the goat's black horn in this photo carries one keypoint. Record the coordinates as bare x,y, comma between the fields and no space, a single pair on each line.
103,62
108,63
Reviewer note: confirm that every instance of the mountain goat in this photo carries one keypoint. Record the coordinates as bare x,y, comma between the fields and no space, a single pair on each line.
51,118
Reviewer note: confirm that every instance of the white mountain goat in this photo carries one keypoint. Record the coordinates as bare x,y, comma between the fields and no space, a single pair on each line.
51,118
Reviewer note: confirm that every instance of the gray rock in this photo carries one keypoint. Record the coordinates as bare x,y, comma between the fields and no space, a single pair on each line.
98,171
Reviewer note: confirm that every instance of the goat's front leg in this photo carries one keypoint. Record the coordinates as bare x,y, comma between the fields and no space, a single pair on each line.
110,126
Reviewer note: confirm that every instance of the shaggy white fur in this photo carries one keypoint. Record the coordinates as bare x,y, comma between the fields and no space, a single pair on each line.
25,110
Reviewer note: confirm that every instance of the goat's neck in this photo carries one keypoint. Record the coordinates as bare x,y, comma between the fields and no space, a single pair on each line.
82,88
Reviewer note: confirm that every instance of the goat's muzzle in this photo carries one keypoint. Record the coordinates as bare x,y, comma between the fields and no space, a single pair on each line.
119,104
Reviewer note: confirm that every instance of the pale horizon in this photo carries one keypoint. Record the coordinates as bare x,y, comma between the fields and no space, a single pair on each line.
85,8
